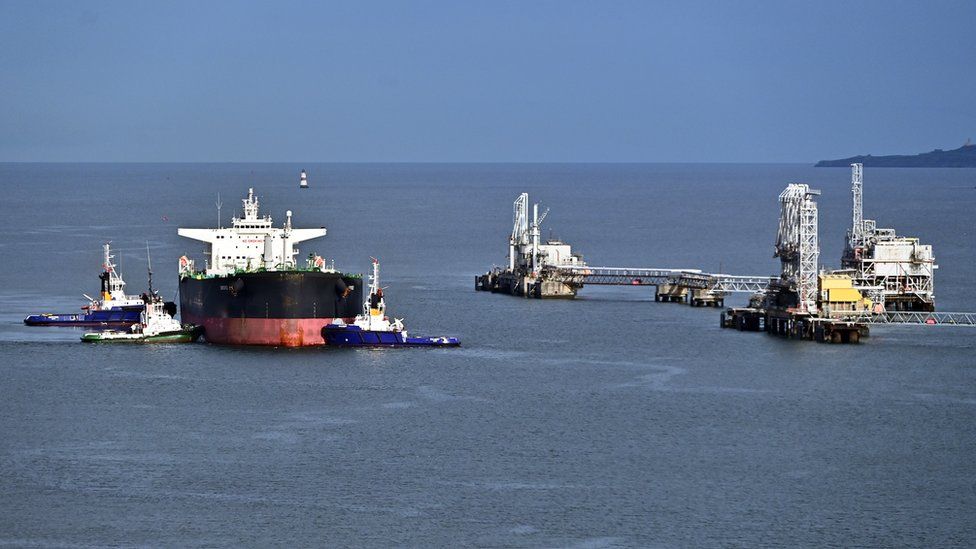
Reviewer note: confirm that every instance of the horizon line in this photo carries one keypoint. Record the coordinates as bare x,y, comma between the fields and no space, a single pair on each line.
393,162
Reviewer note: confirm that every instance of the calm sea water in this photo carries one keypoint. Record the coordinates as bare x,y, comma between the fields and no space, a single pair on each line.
606,421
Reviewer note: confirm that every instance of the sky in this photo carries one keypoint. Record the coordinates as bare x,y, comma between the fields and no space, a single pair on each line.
526,81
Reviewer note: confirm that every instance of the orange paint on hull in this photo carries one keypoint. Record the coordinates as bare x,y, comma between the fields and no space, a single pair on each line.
277,332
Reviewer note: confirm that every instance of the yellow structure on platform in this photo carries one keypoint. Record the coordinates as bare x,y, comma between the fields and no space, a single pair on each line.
838,295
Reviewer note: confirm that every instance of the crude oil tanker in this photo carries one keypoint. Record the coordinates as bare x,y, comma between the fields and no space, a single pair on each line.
253,292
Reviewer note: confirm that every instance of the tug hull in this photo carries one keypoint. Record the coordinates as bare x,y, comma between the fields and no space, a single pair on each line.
182,336
354,336
117,317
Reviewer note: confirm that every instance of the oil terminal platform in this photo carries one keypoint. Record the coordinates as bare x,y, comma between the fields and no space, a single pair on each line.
553,270
885,278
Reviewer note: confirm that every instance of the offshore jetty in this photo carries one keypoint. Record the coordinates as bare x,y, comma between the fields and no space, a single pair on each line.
534,269
553,270
885,278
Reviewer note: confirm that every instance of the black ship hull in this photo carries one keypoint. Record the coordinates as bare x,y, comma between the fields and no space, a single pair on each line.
280,308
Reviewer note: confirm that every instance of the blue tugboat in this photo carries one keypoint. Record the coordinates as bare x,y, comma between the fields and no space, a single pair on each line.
374,329
114,309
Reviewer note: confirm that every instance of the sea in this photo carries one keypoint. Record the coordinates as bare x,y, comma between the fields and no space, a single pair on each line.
609,420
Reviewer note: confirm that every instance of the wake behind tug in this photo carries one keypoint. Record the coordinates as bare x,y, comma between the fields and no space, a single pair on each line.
373,328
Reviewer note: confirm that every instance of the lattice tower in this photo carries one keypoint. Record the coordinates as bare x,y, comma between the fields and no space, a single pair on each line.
856,237
797,244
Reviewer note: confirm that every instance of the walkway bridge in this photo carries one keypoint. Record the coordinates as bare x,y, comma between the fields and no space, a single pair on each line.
919,318
692,285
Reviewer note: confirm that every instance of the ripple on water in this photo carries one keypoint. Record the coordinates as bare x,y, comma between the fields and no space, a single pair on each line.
945,399
436,395
399,405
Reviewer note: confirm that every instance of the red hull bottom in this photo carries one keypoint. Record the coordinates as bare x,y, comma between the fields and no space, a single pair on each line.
278,332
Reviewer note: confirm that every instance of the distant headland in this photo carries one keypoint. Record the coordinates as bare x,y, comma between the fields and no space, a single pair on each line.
963,157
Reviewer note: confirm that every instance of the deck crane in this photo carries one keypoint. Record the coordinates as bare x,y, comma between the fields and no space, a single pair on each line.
520,227
525,240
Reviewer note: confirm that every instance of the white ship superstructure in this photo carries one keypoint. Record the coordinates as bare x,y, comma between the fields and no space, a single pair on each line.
113,287
155,319
251,243
374,308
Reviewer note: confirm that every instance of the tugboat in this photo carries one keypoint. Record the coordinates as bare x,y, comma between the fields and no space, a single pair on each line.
156,325
374,329
114,309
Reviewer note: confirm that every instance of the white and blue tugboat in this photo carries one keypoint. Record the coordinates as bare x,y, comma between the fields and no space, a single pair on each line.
374,329
113,308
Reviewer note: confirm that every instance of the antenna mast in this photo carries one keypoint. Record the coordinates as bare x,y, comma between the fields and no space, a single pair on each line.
218,204
149,263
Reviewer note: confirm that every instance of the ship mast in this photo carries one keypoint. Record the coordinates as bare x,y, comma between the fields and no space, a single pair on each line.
149,267
374,307
218,204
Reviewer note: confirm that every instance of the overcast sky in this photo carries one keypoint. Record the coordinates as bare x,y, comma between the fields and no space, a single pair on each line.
484,81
